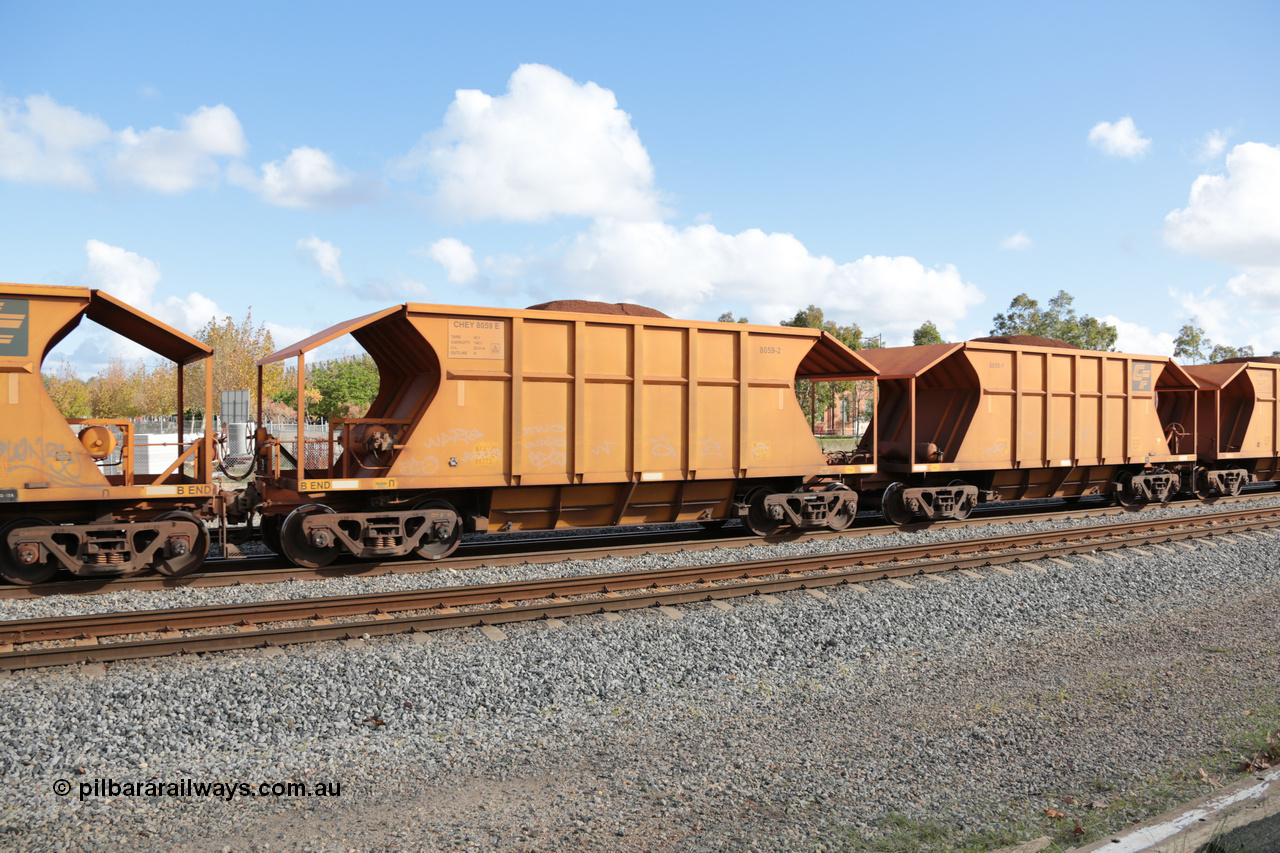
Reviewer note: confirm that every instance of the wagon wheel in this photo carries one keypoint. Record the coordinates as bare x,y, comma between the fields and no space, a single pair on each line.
440,548
17,572
269,528
892,506
184,564
1122,490
841,519
758,520
1200,483
964,508
298,548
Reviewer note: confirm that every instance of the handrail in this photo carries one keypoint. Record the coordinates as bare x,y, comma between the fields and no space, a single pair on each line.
195,445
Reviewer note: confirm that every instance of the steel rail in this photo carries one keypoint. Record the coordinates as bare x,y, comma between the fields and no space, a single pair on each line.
231,572
557,597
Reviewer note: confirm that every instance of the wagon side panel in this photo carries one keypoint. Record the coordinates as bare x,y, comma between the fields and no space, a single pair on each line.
40,457
463,437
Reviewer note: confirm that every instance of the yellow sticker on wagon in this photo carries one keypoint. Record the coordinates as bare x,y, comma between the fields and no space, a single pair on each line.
188,490
327,485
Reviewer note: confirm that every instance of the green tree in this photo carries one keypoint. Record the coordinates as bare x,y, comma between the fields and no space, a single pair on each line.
727,317
347,386
1058,321
113,393
1220,352
236,350
342,387
1190,344
1192,347
287,396
68,391
818,398
927,334
155,388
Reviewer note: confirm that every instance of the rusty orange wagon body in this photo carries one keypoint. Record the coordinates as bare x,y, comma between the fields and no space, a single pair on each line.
984,421
1238,440
494,419
69,495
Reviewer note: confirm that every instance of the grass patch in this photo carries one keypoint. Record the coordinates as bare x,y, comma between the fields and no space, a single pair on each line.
902,834
1100,808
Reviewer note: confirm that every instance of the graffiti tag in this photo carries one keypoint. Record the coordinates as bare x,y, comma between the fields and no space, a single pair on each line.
53,459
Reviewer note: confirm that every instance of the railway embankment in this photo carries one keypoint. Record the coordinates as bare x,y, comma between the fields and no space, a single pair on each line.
976,712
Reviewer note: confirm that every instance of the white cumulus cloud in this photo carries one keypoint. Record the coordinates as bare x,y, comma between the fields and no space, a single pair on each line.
457,259
1214,143
1235,217
174,161
1016,242
43,142
1136,338
1119,139
698,270
133,279
1260,285
323,255
549,146
308,179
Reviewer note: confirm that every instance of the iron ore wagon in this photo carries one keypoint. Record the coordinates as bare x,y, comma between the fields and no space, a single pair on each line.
1013,418
70,497
1238,440
495,420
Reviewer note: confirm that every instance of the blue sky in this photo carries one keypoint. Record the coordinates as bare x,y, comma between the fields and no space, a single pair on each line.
889,163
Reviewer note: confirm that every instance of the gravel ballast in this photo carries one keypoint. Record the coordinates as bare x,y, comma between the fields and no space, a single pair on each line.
788,726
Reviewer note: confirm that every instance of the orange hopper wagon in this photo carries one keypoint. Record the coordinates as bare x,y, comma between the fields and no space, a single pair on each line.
494,420
990,420
1239,424
69,495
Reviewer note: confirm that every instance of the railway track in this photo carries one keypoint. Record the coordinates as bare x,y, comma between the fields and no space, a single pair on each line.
119,636
490,553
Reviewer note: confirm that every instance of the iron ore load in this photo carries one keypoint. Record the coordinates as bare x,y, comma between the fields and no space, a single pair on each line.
69,494
579,414
498,420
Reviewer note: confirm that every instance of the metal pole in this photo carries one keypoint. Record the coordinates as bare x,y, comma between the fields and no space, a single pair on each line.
302,423
181,370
